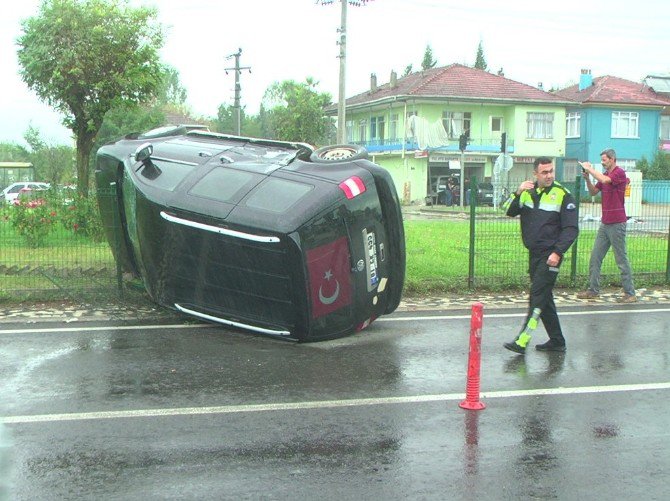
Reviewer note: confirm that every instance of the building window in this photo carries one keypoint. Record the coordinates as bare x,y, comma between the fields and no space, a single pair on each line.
362,130
665,128
350,131
625,124
393,127
573,124
377,129
496,124
540,126
456,123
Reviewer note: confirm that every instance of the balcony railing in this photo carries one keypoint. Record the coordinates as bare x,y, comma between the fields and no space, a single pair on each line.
475,145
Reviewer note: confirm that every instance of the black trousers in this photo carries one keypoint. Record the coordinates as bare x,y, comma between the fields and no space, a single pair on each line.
542,280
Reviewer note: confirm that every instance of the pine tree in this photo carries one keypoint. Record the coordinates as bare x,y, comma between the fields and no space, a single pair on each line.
428,60
480,62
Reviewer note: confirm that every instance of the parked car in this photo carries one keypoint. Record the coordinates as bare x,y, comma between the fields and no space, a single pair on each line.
269,236
11,193
485,194
30,197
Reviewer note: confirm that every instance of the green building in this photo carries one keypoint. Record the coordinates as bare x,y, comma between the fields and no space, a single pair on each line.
412,126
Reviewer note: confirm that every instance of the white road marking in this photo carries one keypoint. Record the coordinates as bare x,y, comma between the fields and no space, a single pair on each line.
324,404
523,314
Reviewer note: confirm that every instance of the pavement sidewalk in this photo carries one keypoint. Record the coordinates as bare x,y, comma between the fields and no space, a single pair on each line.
520,299
65,312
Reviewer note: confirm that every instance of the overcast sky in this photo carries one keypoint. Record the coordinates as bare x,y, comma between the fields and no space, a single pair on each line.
532,41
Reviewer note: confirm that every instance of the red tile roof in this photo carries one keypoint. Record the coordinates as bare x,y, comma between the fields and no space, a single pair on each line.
175,117
614,90
457,81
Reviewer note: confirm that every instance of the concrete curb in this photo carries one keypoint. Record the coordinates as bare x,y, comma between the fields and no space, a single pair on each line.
520,300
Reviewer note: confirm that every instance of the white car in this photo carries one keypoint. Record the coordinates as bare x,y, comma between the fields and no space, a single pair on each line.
12,191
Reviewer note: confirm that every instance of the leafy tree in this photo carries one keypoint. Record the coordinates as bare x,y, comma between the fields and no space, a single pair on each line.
125,119
170,90
657,169
53,163
294,111
225,122
428,59
12,152
225,119
408,70
33,138
85,57
132,117
480,61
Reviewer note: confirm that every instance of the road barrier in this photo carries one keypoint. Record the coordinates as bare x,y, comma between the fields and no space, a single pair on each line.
471,401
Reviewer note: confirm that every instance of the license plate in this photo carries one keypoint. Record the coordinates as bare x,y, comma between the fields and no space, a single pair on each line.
370,243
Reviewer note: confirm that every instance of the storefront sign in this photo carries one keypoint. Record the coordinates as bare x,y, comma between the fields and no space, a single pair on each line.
436,158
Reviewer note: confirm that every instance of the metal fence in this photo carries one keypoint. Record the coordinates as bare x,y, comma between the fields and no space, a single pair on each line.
66,263
648,237
51,249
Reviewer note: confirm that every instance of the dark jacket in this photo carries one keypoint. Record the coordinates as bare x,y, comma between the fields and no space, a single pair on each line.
548,218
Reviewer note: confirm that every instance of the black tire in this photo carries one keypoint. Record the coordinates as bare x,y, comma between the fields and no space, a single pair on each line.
338,153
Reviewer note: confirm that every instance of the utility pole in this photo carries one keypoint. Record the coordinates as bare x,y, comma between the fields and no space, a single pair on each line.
236,106
341,108
341,98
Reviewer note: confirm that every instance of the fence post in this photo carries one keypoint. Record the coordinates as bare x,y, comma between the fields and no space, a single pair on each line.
573,263
667,263
471,254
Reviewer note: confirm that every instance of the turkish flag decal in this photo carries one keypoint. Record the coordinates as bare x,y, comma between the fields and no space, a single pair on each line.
329,277
352,187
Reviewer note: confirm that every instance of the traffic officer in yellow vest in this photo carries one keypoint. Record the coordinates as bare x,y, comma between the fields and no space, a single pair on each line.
548,228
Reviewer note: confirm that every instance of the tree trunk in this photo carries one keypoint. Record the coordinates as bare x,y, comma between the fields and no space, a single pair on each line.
84,147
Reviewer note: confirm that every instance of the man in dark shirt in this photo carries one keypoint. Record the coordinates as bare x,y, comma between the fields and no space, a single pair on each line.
548,228
612,231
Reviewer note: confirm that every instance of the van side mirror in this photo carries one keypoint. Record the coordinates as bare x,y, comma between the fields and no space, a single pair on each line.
143,152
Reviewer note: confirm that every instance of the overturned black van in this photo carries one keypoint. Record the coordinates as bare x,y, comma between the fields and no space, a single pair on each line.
274,237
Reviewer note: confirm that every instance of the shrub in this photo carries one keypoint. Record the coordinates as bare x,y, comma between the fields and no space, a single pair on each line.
33,219
81,215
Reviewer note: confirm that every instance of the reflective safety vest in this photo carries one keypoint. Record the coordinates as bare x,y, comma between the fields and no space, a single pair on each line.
548,218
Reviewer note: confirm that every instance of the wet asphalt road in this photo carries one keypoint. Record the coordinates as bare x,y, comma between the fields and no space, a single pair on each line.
95,411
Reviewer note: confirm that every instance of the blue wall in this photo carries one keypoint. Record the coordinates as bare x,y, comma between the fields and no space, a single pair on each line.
596,135
656,192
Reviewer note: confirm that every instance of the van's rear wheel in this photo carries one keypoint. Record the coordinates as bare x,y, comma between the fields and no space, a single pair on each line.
338,153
